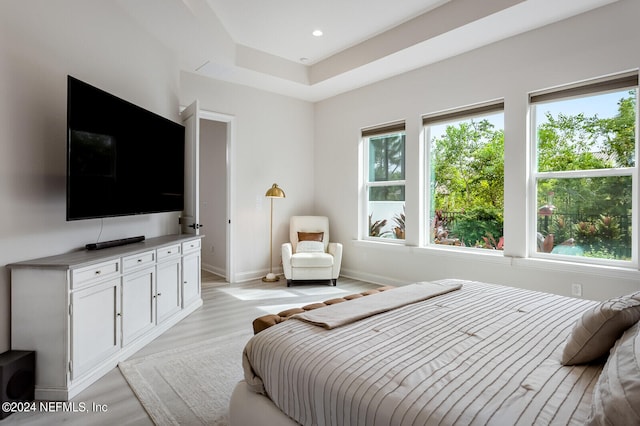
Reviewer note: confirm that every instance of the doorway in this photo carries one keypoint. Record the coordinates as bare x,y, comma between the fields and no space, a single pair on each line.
215,201
213,195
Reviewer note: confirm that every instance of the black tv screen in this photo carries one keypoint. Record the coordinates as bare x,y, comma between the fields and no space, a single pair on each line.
121,159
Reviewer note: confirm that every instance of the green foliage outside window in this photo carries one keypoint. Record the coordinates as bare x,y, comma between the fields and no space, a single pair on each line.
468,183
469,166
478,223
592,213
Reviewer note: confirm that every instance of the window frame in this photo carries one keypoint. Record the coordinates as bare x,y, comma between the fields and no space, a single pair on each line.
452,115
389,129
576,91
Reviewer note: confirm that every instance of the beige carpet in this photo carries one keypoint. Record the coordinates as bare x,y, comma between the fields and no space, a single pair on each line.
191,385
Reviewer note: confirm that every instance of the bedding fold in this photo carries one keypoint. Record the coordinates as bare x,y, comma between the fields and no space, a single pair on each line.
341,314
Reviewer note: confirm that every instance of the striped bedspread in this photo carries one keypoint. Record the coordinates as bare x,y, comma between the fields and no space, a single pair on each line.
484,354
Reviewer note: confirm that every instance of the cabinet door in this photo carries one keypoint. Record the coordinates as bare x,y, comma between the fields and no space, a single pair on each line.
95,325
190,278
138,309
168,300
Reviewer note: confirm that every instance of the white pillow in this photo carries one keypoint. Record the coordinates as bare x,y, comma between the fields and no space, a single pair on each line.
310,247
616,395
598,329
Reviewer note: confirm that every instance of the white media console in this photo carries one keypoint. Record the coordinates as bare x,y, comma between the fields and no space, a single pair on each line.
84,311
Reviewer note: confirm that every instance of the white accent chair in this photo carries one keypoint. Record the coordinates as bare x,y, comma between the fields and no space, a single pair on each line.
309,260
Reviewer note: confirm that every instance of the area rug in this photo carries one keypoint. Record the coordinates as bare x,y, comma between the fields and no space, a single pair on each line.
190,385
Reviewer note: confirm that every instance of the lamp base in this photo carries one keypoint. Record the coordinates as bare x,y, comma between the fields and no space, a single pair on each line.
270,278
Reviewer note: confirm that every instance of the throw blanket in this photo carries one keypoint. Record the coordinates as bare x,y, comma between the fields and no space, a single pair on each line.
344,313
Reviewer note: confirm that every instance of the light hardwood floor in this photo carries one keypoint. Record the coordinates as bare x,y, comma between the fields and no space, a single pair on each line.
226,309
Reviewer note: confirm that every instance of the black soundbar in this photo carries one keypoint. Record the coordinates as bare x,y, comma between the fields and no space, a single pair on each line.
114,243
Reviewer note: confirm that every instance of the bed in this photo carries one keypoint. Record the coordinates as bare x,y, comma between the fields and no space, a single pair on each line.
475,353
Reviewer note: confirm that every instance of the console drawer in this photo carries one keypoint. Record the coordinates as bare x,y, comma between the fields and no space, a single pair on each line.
169,251
98,271
136,260
190,245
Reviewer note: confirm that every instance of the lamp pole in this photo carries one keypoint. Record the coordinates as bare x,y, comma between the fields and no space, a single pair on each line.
274,192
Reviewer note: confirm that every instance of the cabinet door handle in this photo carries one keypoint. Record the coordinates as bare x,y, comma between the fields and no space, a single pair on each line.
139,260
119,314
159,294
98,272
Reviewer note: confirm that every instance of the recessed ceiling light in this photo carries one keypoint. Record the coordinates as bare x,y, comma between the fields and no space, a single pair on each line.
317,33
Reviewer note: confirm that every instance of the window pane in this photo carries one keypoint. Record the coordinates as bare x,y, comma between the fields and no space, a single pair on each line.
386,219
387,193
386,158
386,211
467,182
593,132
588,217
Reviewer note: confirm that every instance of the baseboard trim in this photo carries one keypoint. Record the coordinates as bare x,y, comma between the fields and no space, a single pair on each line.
242,277
371,278
221,272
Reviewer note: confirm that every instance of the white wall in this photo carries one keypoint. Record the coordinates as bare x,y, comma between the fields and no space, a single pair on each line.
213,195
273,144
601,42
41,41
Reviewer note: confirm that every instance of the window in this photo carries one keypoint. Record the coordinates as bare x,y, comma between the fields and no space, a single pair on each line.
385,181
466,182
585,170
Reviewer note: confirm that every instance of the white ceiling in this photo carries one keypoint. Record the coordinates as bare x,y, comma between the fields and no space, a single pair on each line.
260,43
283,27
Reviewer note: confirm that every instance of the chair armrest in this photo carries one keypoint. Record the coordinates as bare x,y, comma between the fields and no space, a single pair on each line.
335,249
287,252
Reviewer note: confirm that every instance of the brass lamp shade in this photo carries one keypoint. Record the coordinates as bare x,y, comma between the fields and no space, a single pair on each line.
275,192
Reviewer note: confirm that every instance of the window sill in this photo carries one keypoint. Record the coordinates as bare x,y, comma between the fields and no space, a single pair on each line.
465,253
493,256
579,268
383,245
497,257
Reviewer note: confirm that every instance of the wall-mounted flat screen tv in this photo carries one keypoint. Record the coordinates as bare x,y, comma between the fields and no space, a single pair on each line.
121,159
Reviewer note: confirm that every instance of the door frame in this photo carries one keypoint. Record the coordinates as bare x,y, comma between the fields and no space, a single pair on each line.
229,120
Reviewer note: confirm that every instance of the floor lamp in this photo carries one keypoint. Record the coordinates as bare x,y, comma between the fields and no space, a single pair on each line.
274,192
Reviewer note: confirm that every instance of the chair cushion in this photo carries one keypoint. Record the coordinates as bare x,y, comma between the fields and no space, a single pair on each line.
311,260
310,247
